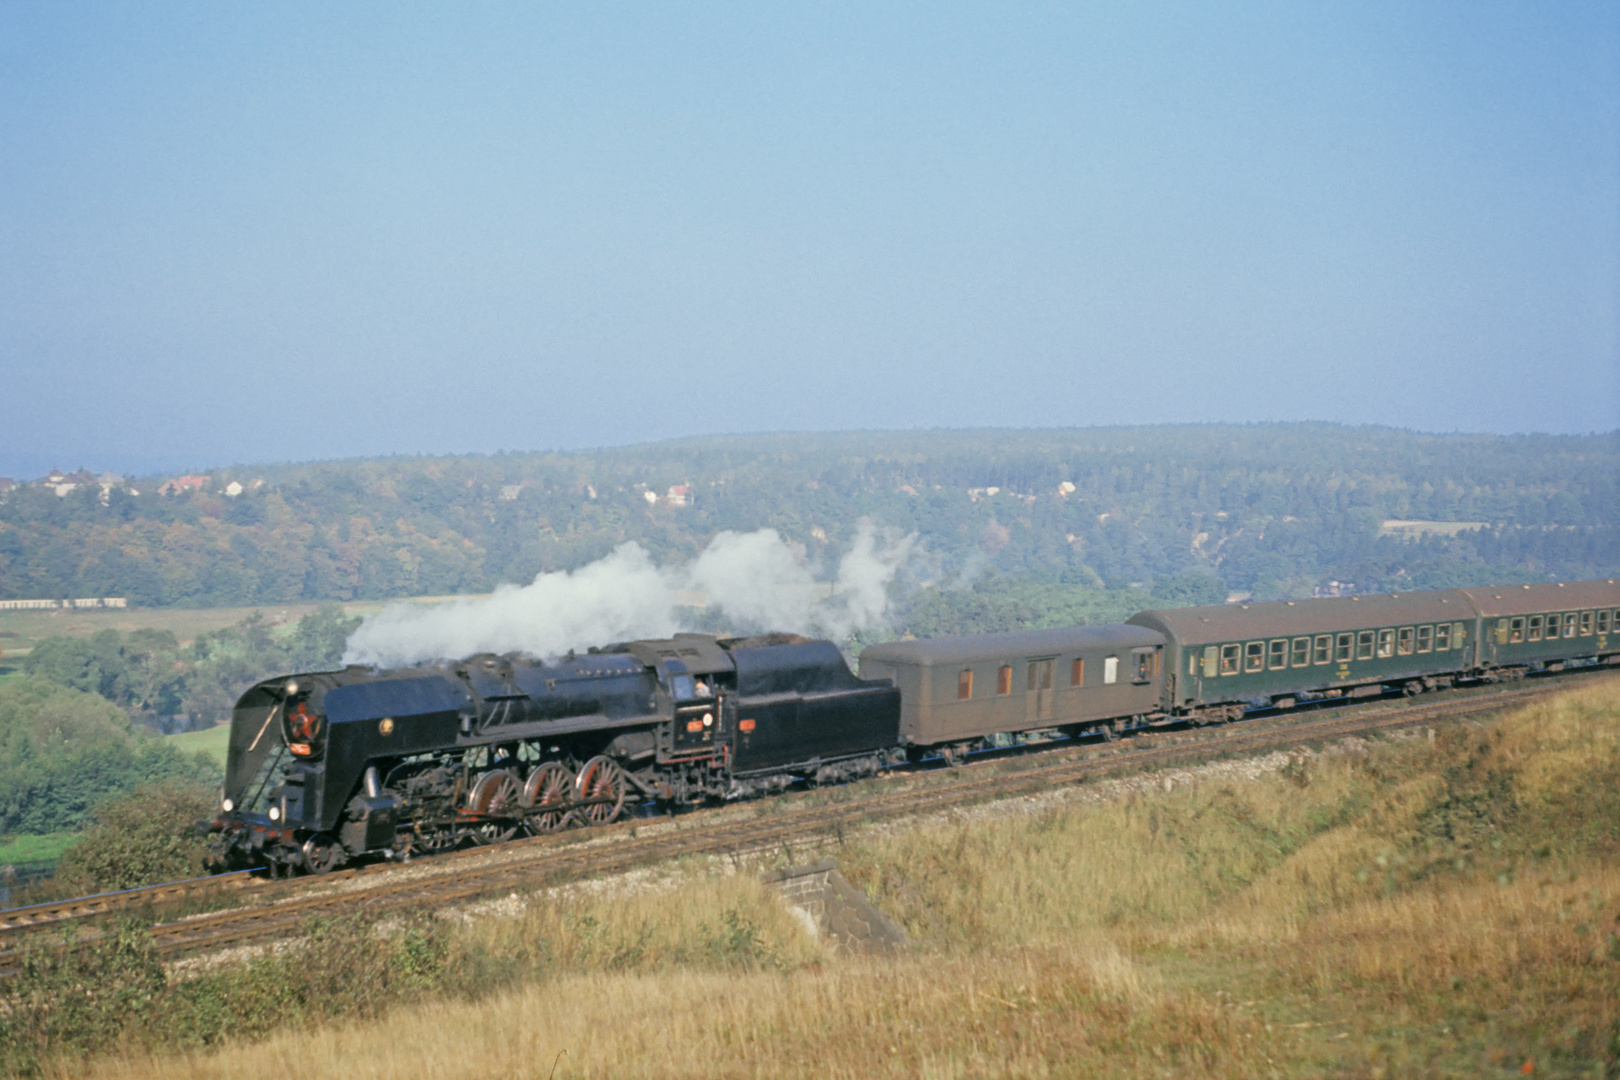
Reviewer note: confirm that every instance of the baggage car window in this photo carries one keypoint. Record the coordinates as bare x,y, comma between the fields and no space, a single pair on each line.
1442,637
1209,661
1004,679
1586,624
1324,648
1403,641
1364,645
1145,662
1110,670
1302,652
1516,630
1341,648
1425,638
1279,654
1254,656
1569,625
964,685
1532,629
1603,622
1077,671
1039,676
1229,659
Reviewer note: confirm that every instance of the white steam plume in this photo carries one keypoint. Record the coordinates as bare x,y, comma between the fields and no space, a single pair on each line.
759,580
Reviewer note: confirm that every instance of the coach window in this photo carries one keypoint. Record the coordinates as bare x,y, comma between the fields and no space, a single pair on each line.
1279,654
1458,635
1552,627
1364,645
1341,648
1386,644
1603,621
1425,638
1442,638
964,685
1324,649
1077,671
1516,630
1569,624
1229,659
1110,670
1254,656
1004,679
1403,641
1532,629
1210,654
1302,652
1586,624
1501,631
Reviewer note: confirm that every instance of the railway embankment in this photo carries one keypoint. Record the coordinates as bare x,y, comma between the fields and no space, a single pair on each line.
1447,901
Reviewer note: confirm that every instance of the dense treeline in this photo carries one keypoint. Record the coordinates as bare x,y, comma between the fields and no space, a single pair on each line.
63,752
1272,509
151,676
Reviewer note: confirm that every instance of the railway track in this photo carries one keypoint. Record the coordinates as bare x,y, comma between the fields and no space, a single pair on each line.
270,910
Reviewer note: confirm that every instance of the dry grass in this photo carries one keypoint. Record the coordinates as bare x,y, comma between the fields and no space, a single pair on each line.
1445,906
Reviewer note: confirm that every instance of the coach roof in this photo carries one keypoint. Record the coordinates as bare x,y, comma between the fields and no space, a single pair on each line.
967,648
1533,599
1287,618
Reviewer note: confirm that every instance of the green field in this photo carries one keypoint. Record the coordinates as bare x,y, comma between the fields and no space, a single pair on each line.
211,741
34,849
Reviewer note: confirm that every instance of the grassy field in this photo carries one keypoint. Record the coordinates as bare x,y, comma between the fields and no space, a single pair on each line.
211,741
1442,905
34,849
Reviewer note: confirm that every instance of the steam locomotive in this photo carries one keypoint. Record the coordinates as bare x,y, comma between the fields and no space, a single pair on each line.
328,767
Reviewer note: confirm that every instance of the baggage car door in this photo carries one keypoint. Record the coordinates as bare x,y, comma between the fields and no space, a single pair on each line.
1038,692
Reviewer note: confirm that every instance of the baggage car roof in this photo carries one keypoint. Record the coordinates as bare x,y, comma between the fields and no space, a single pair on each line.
966,648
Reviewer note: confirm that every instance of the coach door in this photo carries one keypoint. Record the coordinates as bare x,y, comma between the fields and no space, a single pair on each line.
1038,690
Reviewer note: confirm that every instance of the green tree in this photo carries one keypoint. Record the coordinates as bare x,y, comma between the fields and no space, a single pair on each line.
143,837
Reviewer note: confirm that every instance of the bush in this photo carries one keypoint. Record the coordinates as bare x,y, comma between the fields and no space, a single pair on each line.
142,838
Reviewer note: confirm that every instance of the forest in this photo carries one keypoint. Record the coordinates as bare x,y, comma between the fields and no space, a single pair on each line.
1275,510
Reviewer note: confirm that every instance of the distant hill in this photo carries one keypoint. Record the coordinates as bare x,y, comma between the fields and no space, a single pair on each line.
1268,509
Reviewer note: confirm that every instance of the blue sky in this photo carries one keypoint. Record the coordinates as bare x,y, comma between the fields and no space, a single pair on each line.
234,233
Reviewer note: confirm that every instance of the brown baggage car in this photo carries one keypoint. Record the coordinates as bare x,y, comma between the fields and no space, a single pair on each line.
1080,679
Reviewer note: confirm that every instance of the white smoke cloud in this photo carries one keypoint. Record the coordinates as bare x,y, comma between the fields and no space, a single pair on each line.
759,581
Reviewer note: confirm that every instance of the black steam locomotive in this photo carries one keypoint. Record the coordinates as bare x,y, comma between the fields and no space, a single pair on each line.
332,766
325,767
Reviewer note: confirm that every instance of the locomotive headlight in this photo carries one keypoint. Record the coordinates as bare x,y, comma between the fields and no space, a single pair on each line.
708,719
227,806
275,813
292,687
